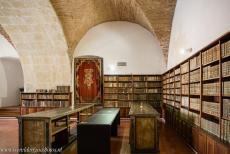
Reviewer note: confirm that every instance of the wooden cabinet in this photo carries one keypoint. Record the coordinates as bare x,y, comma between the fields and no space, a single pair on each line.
210,145
221,149
202,143
144,133
195,138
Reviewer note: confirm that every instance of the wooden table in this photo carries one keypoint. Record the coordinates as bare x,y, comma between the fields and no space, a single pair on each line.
94,134
52,129
144,135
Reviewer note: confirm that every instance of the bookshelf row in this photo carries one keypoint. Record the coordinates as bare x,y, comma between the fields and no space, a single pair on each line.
38,101
122,90
200,88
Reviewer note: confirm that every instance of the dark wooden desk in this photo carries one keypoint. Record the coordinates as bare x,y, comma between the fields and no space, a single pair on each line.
94,134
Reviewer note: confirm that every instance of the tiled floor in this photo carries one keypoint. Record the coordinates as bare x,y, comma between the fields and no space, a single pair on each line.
170,143
8,134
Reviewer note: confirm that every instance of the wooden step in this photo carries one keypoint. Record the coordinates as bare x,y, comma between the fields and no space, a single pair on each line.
12,111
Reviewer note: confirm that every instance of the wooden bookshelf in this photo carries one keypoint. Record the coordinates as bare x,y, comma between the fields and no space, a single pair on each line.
122,90
204,83
39,101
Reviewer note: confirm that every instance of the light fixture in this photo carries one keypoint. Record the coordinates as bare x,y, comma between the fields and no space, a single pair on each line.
112,67
185,51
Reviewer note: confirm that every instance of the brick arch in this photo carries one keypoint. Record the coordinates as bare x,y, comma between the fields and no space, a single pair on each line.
78,16
6,36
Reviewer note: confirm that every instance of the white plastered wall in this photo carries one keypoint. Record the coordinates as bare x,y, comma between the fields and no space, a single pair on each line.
196,23
123,42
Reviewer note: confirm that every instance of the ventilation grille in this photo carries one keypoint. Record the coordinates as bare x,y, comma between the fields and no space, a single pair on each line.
121,63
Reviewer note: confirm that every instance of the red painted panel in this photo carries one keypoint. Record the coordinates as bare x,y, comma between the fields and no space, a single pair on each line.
88,80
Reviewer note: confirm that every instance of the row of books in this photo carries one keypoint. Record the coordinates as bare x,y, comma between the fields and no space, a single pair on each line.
226,108
185,89
210,55
156,90
110,96
140,90
210,72
177,84
195,76
226,68
125,97
211,89
171,97
113,85
211,108
132,78
185,101
114,90
171,74
225,49
210,127
128,78
195,88
177,91
177,71
185,67
154,84
226,88
63,89
34,103
169,102
110,78
44,96
195,62
185,78
177,78
195,118
225,130
28,96
177,98
139,84
171,85
195,104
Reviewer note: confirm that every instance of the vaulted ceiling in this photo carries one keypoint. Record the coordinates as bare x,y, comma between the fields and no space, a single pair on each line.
78,16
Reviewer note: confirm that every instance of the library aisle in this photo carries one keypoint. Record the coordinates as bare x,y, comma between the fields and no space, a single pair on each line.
170,142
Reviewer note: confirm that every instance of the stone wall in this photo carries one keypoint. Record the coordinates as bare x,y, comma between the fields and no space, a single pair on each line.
37,35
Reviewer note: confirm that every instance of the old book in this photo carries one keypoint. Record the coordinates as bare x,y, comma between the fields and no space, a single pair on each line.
195,76
195,104
185,101
210,126
226,108
185,67
195,89
211,108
